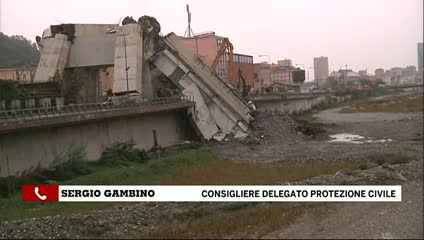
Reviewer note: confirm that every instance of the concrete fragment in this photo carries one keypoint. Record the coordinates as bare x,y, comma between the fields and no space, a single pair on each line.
54,55
128,59
345,171
240,135
219,136
201,115
398,176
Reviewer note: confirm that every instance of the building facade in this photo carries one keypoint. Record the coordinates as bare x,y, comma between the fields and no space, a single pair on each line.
285,62
282,74
206,46
379,73
262,76
21,74
321,70
243,64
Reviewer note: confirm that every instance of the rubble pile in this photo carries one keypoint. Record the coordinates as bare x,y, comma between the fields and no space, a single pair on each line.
275,126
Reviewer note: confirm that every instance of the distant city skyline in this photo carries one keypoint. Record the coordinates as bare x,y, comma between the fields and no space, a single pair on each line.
321,70
363,34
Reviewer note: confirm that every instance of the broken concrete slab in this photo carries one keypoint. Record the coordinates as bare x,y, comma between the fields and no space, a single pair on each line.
54,55
240,135
219,136
128,59
219,88
398,176
226,109
201,114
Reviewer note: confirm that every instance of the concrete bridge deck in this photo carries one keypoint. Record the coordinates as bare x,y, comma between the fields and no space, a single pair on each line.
15,120
286,96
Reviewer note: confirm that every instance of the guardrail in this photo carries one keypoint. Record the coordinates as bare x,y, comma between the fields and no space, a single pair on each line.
58,111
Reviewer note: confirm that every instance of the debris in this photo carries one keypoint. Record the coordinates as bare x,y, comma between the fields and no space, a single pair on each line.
250,140
345,171
342,173
128,20
398,176
251,105
385,165
219,137
240,135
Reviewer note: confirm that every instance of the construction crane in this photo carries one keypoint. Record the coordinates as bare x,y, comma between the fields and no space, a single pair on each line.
226,46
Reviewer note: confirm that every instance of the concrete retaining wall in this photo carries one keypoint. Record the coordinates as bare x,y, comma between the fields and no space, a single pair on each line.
291,105
23,151
297,104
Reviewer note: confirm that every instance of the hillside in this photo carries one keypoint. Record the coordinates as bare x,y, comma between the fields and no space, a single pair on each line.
17,51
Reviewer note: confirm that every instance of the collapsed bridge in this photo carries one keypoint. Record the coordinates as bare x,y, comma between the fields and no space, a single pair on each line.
94,73
134,58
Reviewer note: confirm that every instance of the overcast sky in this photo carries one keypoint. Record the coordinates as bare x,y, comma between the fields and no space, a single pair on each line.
360,33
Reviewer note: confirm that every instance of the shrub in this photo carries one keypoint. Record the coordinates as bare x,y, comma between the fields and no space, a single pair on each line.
122,152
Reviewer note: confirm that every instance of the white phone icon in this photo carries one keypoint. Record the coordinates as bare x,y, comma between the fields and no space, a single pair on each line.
41,197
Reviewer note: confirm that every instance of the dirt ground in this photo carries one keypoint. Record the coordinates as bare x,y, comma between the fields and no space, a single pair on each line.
277,141
363,220
282,145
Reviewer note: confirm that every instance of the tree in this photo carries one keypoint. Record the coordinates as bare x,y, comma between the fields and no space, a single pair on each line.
17,51
8,90
71,83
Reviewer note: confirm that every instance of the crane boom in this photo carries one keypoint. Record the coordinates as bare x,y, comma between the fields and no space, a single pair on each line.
226,44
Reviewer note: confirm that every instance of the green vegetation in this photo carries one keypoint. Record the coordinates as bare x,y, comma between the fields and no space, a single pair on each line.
10,90
122,164
357,97
372,92
222,172
17,51
129,171
392,104
121,153
72,164
390,158
71,82
234,222
309,128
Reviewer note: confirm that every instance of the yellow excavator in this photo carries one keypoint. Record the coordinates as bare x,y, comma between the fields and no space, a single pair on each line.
226,45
